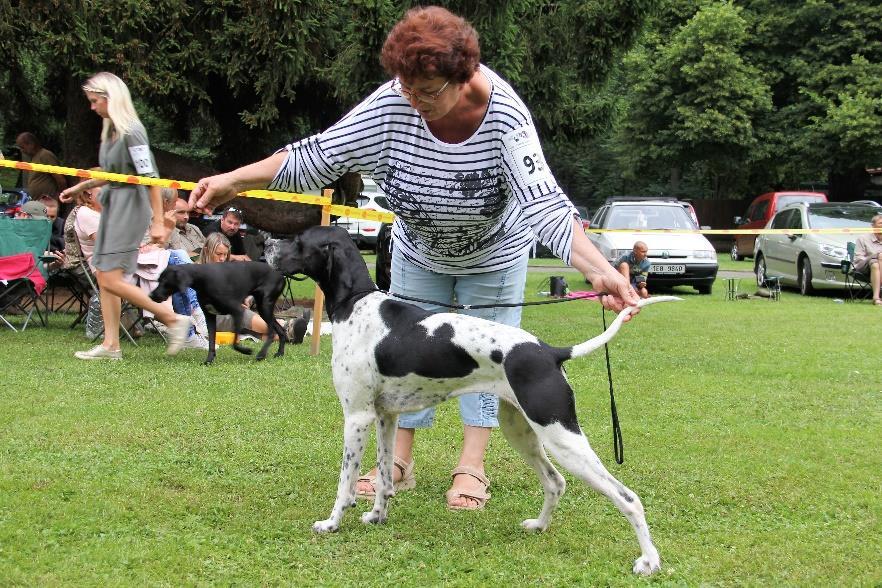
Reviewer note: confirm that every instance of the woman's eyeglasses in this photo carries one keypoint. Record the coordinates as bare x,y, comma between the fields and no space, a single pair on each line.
410,94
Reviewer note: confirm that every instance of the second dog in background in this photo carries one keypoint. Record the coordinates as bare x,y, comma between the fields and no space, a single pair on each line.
221,288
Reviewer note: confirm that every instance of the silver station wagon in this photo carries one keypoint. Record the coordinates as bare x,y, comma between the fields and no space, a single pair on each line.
810,261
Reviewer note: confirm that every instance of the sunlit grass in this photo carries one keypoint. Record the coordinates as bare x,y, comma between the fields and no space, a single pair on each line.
751,433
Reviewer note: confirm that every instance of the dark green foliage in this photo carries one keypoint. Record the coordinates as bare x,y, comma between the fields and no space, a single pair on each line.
247,76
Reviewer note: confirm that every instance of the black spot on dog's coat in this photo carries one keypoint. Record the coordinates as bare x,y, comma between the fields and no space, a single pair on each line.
541,389
496,356
409,348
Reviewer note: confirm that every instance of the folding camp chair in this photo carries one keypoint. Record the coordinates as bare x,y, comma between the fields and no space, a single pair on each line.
857,282
76,298
22,276
126,308
21,284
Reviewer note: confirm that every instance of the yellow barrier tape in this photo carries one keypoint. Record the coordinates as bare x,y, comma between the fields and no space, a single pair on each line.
361,213
375,215
182,185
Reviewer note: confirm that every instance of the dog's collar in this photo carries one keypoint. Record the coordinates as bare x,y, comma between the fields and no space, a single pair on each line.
332,310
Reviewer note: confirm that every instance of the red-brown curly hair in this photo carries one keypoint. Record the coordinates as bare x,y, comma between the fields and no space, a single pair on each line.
431,42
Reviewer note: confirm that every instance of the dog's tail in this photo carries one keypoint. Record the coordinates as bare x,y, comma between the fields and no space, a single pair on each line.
592,344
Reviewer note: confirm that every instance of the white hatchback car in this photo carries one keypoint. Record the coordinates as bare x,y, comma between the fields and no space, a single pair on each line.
677,258
364,232
810,261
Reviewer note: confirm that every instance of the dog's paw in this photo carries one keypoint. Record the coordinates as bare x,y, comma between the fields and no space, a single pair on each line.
534,525
326,526
373,517
260,357
647,565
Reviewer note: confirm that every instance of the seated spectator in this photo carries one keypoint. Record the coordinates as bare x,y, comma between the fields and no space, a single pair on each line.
868,256
86,223
38,183
185,236
217,250
634,266
229,225
32,209
56,241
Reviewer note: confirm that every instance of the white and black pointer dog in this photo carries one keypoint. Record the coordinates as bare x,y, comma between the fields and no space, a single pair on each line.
391,357
221,288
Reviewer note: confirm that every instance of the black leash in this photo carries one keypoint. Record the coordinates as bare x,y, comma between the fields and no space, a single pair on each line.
618,445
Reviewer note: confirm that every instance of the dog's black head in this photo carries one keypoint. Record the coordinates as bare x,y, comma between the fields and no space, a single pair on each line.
328,256
318,252
172,279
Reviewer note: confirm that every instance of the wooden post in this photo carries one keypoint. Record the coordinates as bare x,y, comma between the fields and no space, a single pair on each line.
319,295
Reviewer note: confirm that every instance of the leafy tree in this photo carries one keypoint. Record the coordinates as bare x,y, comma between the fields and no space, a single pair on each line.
694,100
822,59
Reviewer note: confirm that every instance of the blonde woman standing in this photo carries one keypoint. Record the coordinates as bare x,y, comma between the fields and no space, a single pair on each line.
127,211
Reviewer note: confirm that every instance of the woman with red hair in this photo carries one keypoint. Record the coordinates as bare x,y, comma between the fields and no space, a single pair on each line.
455,150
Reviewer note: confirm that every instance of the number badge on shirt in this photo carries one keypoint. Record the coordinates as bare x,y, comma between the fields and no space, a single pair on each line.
526,156
141,159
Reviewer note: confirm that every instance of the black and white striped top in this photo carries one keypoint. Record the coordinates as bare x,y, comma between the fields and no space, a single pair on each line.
471,207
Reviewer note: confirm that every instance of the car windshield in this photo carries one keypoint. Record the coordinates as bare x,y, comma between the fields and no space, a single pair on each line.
836,217
649,217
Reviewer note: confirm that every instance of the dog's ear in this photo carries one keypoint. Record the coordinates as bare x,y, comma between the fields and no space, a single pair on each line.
330,252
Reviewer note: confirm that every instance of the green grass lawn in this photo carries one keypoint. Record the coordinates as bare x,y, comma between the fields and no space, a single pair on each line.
751,433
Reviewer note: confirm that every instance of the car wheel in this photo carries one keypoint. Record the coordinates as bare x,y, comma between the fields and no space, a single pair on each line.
805,277
734,252
760,270
704,288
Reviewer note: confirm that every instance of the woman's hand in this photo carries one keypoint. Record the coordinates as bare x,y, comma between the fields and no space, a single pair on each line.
212,192
157,231
618,293
68,194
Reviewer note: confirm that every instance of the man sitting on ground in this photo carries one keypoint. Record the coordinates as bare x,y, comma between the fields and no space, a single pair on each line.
634,266
229,225
868,256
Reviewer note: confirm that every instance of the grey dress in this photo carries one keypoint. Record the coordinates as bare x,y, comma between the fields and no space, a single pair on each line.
126,212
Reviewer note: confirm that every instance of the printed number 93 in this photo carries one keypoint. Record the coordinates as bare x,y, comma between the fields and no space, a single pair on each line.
529,164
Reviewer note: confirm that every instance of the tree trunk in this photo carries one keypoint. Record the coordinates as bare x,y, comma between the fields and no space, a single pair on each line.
82,130
675,181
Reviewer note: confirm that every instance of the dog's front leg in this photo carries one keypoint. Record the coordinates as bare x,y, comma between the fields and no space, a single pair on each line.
211,323
355,432
387,424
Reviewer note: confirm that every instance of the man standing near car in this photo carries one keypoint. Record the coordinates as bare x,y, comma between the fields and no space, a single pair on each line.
868,256
39,183
229,224
634,266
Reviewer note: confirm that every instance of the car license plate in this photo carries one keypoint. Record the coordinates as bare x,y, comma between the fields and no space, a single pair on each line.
665,268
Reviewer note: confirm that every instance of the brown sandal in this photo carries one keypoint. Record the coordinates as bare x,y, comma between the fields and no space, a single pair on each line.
407,481
480,497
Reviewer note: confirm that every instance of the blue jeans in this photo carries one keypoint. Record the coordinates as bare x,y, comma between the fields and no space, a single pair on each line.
499,287
183,303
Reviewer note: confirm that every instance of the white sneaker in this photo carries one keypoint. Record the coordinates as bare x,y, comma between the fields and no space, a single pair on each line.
196,341
99,352
177,334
